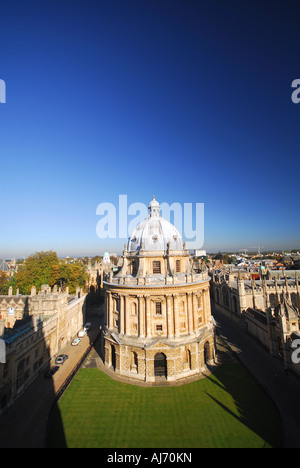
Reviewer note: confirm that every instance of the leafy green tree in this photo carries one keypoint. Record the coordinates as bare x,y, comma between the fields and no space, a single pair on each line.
4,282
226,259
46,268
75,275
37,269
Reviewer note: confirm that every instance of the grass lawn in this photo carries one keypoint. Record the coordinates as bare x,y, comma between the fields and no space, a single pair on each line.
227,409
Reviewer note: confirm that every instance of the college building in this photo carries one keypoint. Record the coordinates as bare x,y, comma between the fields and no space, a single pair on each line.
33,329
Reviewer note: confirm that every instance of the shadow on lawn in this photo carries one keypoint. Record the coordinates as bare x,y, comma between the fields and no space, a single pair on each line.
255,408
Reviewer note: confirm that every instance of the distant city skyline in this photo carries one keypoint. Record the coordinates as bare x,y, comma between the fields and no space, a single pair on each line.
187,101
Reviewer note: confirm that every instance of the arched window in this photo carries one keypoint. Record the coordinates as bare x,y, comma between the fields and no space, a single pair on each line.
134,268
113,357
160,365
187,358
206,352
115,304
134,362
134,308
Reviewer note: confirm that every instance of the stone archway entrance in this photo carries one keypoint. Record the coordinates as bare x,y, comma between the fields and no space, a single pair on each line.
160,366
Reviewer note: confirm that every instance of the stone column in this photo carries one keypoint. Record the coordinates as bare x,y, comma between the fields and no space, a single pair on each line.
207,306
190,312
110,323
195,311
141,317
176,315
148,316
122,315
127,313
169,316
198,306
203,306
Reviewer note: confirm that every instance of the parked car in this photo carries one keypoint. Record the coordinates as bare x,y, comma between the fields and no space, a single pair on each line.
51,372
75,342
61,359
87,326
82,333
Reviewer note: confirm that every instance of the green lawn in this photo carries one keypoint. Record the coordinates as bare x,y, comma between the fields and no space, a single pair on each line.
228,409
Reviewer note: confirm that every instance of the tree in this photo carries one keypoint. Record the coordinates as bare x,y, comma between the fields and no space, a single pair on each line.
46,268
75,275
3,283
226,259
37,269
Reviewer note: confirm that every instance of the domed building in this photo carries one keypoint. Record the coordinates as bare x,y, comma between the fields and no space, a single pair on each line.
158,315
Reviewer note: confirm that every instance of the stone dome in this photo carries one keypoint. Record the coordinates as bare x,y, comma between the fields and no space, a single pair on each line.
155,233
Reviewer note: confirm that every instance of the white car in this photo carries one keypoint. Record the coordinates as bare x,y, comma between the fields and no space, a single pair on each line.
75,342
82,333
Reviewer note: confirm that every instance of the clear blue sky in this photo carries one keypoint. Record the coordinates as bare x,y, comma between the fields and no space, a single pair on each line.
188,100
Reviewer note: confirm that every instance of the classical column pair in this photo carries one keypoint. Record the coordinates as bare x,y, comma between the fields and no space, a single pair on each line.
172,313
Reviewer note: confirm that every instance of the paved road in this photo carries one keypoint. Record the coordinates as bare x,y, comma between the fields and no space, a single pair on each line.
25,423
269,371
